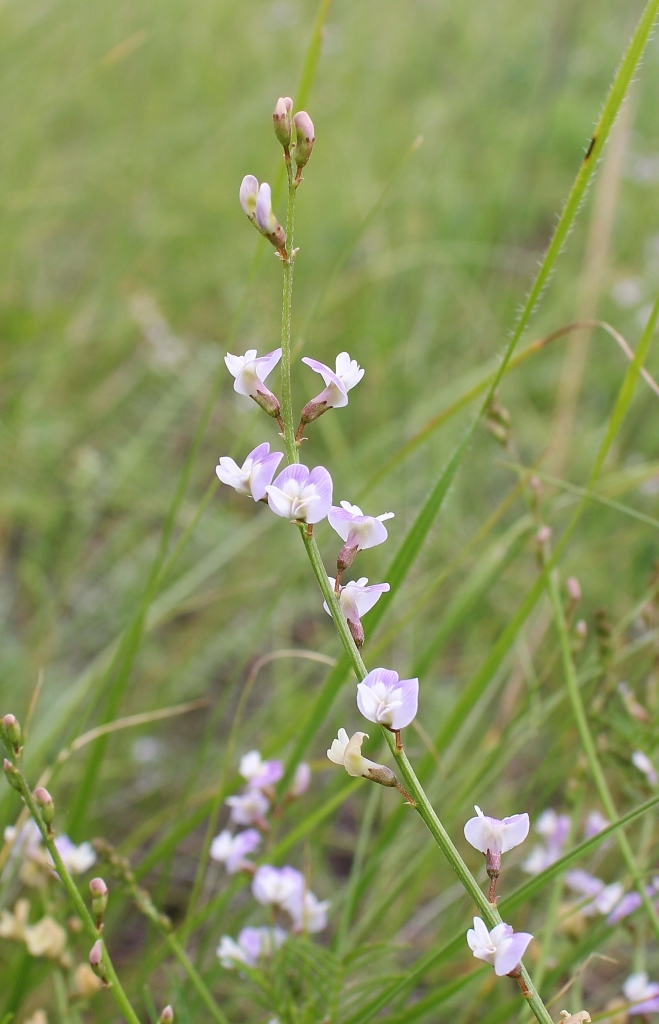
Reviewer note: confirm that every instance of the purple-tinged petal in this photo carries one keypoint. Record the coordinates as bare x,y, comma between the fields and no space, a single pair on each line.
408,694
340,520
325,372
380,675
263,472
582,882
296,471
321,481
510,951
266,364
628,905
367,597
515,830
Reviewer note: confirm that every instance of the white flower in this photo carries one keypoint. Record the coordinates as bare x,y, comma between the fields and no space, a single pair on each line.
502,947
232,850
254,475
496,835
45,938
310,915
644,993
281,887
258,773
356,598
356,529
387,700
251,371
602,898
12,926
348,752
252,944
595,823
301,495
337,385
248,808
265,217
644,764
77,859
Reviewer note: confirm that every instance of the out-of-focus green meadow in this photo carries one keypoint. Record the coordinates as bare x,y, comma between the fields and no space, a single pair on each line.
127,270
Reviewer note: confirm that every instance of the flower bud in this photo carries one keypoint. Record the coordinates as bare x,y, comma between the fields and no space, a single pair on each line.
12,775
581,629
167,1015
46,805
13,730
96,959
282,121
249,190
382,775
305,137
573,590
99,891
266,221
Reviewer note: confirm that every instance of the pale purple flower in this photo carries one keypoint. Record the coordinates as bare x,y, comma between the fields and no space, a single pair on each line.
357,530
301,495
252,944
495,835
310,914
502,947
249,190
347,751
250,372
258,773
644,764
356,598
304,138
281,887
301,779
248,808
595,823
628,905
387,700
337,383
232,850
254,475
554,828
265,217
602,898
644,993
77,859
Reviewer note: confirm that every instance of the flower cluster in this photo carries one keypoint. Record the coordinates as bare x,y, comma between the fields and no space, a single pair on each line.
283,889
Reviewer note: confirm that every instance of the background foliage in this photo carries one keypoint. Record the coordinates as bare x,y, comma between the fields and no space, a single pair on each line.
126,272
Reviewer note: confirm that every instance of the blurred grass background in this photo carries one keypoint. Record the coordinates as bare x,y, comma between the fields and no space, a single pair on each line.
124,262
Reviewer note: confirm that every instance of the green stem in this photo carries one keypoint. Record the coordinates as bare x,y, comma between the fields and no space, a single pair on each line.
423,806
89,925
286,314
195,978
589,749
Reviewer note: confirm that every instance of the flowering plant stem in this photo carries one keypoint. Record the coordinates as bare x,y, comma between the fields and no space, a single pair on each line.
89,925
422,804
589,749
286,313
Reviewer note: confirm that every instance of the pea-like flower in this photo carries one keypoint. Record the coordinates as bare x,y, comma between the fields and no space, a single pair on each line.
356,599
254,475
300,494
387,700
77,859
494,836
337,385
357,531
248,808
644,764
595,823
638,989
252,945
250,372
554,829
46,938
347,751
503,948
627,906
258,773
602,898
279,887
232,850
310,915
